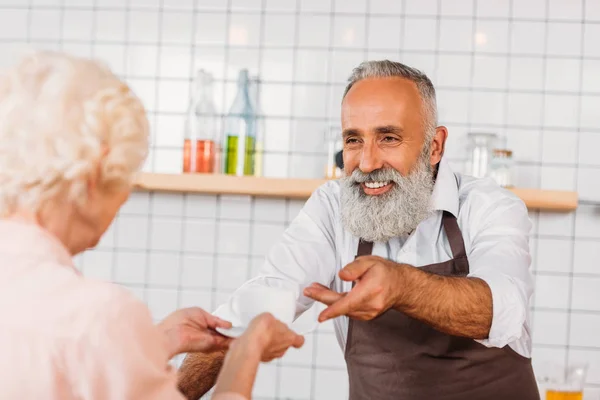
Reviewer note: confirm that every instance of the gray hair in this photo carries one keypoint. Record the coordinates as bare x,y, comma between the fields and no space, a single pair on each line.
390,69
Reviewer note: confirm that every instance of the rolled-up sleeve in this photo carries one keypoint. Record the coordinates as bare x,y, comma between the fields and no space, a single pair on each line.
305,253
500,256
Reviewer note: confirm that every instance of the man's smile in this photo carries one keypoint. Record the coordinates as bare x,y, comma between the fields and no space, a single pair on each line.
376,188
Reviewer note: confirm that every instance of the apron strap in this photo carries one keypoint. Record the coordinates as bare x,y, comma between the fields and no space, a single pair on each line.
364,248
457,244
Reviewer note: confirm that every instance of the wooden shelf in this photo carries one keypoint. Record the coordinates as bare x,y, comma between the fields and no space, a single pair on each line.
535,199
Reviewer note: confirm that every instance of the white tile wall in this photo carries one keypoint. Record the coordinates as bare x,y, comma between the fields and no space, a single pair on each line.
527,70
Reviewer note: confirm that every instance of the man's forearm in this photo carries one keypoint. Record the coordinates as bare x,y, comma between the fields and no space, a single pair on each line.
198,373
457,306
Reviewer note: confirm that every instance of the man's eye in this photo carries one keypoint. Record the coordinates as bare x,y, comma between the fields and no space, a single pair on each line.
351,140
389,139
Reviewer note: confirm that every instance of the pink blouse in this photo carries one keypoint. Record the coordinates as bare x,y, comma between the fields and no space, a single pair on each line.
63,336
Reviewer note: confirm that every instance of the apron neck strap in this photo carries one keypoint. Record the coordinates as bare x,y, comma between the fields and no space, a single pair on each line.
364,248
457,245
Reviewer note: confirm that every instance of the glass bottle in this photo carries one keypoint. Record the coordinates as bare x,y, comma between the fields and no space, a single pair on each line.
501,167
199,147
255,83
240,132
479,153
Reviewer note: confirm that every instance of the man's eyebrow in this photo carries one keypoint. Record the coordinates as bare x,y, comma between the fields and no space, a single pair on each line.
350,132
389,129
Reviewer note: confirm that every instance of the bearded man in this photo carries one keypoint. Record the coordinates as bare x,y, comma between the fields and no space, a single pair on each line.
425,271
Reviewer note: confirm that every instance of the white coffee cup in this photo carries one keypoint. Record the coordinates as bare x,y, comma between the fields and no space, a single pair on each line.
250,302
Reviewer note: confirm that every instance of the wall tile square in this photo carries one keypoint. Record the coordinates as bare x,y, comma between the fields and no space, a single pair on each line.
311,66
591,33
456,35
167,204
554,255
277,65
341,64
348,32
246,5
200,205
587,252
173,96
385,7
13,23
232,272
589,117
331,385
550,327
277,99
558,178
455,70
263,386
350,6
107,241
143,27
276,165
493,8
244,30
309,101
420,34
77,24
199,236
526,73
556,223
561,110
197,271
592,11
525,109
233,238
587,220
308,136
161,302
302,356
314,30
563,74
97,264
463,8
280,30
529,9
306,166
239,58
585,294
552,292
453,106
211,28
563,39
559,147
590,80
295,383
528,37
146,91
166,234
421,7
195,298
164,269
271,210
175,62
489,72
491,37
385,33
264,237
547,362
315,5
235,207
137,204
587,184
277,136
281,5
133,232
565,9
130,267
487,108
142,61
177,28
46,25
584,330
328,351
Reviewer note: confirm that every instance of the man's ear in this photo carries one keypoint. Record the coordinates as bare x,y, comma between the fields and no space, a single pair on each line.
438,145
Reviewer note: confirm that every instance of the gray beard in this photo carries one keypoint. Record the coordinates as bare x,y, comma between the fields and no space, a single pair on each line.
395,213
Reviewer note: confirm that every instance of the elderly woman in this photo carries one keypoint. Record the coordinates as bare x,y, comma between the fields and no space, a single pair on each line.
72,136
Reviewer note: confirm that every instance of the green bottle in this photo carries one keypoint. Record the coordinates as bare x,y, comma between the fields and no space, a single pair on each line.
240,132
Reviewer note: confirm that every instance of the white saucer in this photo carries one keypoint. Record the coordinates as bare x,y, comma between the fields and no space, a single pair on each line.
237,331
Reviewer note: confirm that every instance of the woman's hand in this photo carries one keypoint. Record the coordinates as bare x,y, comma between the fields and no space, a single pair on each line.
271,336
193,330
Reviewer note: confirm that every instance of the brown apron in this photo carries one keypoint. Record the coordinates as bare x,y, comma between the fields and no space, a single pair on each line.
396,357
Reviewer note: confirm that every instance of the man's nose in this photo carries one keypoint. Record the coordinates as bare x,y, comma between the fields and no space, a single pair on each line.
370,159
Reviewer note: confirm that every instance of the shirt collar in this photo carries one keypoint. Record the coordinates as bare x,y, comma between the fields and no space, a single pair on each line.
26,238
445,190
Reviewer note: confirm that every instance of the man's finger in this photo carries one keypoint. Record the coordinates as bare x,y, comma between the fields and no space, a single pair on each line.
344,306
355,269
216,322
322,294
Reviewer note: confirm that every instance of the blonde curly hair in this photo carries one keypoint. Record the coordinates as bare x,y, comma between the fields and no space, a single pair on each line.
62,120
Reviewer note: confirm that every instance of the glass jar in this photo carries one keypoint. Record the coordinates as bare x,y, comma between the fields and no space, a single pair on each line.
479,153
501,167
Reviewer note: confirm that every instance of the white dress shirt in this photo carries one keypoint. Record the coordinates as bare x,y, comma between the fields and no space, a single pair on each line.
495,226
